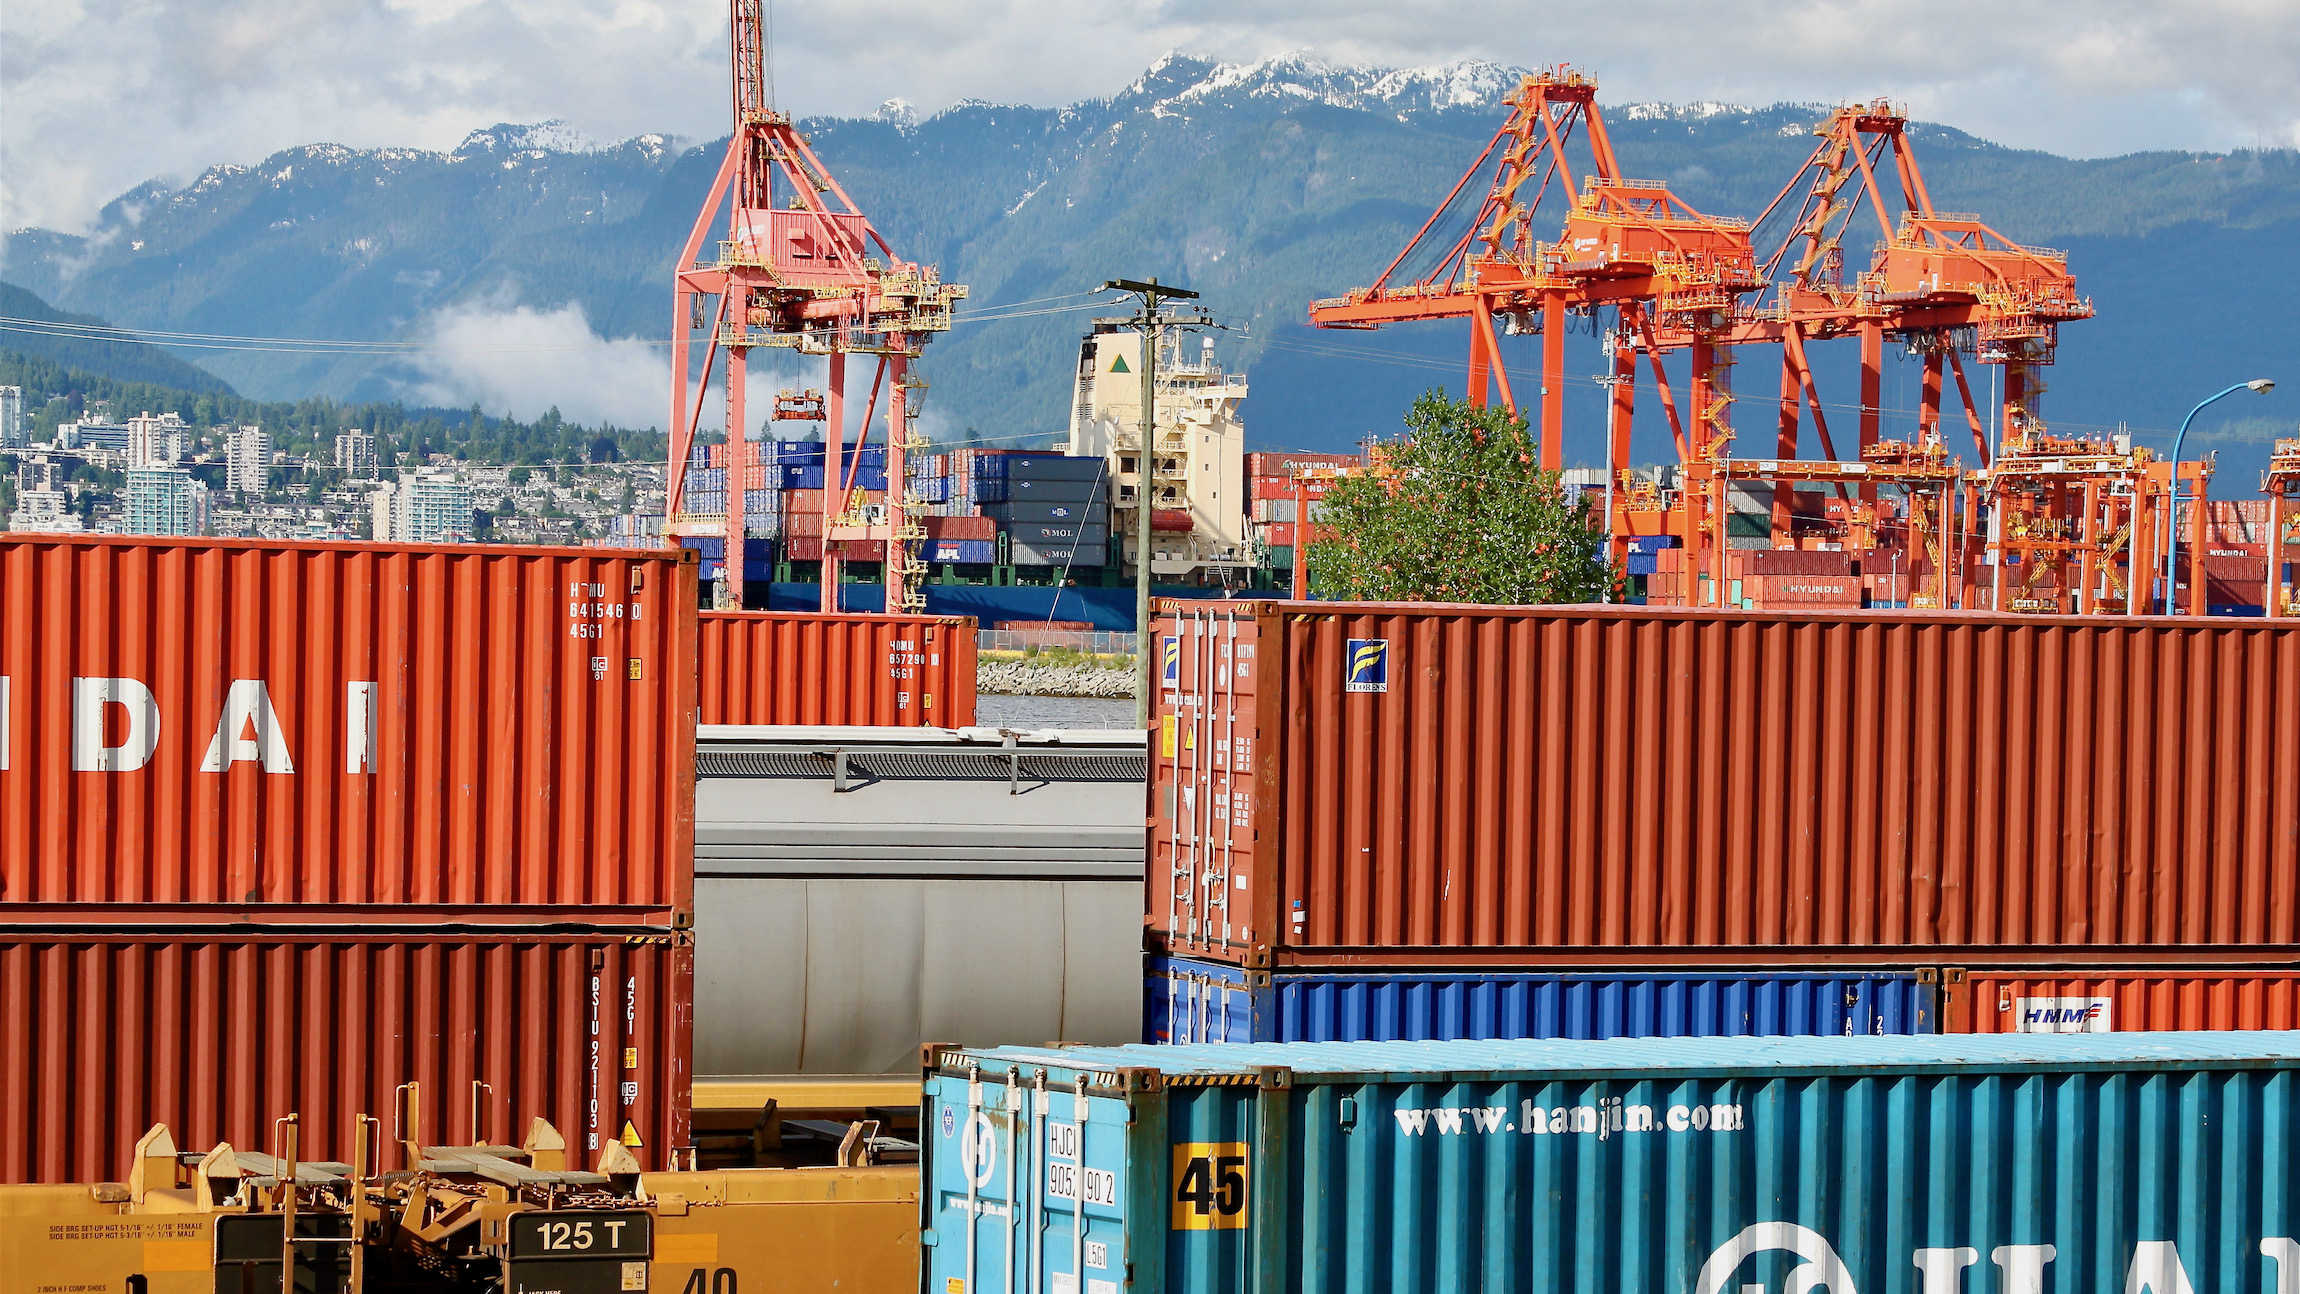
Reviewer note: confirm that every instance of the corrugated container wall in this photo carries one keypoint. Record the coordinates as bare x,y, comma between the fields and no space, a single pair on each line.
2116,1001
790,667
217,729
1412,786
102,1036
1189,1001
1683,1166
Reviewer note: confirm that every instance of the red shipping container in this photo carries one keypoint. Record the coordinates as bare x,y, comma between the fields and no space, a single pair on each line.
2233,580
1471,785
792,667
1793,561
1279,487
809,548
2116,1001
1276,463
1832,590
216,1035
958,528
230,730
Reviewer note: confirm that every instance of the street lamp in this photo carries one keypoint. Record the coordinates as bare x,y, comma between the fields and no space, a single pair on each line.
2172,513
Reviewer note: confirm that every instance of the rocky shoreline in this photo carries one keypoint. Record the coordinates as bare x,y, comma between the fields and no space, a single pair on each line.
1013,678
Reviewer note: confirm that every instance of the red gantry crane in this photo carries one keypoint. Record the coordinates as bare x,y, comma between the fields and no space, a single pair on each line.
1628,243
796,268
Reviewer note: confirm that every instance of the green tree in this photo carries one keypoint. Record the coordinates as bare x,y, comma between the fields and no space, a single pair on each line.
1460,512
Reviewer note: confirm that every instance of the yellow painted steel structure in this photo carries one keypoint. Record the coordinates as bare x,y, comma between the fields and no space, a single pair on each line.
182,1224
806,1091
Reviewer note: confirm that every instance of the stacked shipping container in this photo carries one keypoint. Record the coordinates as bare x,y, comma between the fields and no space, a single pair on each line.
249,790
1055,511
1275,500
1362,790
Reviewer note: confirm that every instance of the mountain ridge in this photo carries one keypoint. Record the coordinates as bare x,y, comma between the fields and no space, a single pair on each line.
1262,184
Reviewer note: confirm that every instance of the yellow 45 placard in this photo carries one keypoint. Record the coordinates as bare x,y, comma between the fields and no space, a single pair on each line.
1209,1191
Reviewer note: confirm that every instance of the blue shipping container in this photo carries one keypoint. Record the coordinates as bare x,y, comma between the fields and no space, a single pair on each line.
1643,564
1650,543
2160,1163
866,477
988,490
1194,1001
975,551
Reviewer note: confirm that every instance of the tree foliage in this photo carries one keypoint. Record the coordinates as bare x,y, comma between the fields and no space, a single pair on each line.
1458,510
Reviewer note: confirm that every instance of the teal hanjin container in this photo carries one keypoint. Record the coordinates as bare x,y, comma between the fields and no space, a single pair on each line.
2161,1163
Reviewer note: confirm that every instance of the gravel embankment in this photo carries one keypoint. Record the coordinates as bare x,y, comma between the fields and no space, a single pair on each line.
1012,678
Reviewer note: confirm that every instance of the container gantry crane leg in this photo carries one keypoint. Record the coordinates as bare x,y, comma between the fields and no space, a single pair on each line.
2277,483
802,268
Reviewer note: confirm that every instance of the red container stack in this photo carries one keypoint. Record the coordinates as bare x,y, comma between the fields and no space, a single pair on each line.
230,769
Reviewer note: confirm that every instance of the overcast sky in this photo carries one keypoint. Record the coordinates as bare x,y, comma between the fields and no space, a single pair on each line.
99,95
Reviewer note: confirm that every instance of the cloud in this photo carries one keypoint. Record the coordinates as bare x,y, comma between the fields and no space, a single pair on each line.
515,359
103,94
520,360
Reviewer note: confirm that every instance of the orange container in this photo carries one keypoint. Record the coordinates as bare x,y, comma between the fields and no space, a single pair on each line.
1823,590
1404,786
2104,1001
216,1034
228,730
793,667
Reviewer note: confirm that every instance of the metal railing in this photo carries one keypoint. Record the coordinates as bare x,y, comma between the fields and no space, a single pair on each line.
1093,642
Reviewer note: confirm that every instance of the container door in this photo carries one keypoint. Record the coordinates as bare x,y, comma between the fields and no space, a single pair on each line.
968,1144
1023,1187
1202,841
1077,1228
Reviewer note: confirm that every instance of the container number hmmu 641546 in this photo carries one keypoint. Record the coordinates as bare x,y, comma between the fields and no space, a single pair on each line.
1209,1186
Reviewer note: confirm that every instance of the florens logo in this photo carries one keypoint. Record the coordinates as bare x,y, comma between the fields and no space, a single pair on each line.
1170,661
1366,665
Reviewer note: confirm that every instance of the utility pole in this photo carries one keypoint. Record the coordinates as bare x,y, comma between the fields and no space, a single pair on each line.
1150,322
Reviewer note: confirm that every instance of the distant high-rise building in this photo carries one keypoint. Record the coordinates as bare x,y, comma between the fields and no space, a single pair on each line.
427,507
155,440
161,501
39,504
354,451
89,433
12,431
247,460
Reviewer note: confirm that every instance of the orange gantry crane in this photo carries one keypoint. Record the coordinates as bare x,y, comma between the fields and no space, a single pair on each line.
1627,243
797,269
1942,284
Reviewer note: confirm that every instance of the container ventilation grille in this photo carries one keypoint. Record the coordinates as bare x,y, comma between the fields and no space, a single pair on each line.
923,766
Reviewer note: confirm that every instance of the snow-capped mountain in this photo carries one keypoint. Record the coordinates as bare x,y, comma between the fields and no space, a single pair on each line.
1261,184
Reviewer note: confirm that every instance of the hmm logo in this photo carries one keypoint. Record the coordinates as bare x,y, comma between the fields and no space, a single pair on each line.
1367,666
2062,1015
1170,661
